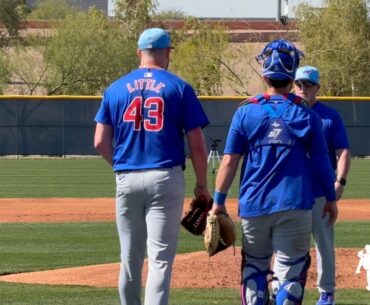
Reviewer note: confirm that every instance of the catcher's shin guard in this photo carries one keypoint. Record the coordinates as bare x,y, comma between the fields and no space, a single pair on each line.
254,288
292,291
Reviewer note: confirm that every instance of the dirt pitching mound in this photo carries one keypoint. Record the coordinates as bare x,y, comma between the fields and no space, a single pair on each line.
192,270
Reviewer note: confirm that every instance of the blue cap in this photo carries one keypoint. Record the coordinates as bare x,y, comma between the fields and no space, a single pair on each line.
308,73
154,38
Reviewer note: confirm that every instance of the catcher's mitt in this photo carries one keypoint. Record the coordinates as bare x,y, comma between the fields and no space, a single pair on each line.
195,219
220,233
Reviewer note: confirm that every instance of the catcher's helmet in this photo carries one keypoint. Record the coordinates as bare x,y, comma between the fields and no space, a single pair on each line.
279,59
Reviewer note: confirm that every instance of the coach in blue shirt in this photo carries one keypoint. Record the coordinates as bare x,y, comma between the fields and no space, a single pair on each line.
307,86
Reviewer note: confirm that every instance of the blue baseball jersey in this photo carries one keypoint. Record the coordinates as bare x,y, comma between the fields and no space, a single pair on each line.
335,135
150,110
277,138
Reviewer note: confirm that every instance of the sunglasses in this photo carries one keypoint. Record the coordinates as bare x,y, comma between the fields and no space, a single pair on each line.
302,84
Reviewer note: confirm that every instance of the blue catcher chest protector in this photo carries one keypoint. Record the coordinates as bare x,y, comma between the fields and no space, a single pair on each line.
277,132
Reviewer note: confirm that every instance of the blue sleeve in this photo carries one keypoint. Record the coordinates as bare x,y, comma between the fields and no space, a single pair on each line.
193,113
236,141
103,115
340,139
318,143
323,171
321,166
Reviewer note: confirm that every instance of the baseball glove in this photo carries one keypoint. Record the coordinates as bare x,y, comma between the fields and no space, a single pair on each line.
195,219
220,233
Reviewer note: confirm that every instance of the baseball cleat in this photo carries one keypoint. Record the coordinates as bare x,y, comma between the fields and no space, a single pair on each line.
326,298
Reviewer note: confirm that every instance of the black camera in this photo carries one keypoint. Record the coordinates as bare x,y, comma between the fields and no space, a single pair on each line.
214,143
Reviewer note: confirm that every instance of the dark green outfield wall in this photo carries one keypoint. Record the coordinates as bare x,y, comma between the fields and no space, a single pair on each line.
60,125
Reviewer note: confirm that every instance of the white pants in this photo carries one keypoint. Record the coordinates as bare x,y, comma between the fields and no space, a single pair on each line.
149,206
325,254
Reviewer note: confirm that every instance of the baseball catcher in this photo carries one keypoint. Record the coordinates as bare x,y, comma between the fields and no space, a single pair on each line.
195,219
220,233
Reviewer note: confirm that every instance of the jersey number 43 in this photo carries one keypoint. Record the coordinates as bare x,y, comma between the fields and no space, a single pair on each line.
153,120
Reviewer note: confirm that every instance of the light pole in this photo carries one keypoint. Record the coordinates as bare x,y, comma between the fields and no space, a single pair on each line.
282,11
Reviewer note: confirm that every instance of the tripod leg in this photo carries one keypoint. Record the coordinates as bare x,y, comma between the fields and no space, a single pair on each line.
218,157
213,172
212,155
209,156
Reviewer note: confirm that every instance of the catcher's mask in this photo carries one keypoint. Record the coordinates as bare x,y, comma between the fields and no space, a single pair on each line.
279,59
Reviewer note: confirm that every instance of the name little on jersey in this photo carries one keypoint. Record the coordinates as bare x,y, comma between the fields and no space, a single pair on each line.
145,83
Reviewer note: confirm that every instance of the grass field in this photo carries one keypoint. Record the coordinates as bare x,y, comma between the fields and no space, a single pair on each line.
28,247
20,294
43,246
92,178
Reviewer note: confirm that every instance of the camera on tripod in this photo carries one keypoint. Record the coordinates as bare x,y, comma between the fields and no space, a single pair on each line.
214,156
214,143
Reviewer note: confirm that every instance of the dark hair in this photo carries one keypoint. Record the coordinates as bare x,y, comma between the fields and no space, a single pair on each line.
279,83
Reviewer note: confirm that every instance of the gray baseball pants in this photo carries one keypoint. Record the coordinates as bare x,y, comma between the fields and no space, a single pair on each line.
149,206
323,234
286,234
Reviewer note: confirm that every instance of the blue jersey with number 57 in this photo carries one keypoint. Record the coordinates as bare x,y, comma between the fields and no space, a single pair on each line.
278,137
150,110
